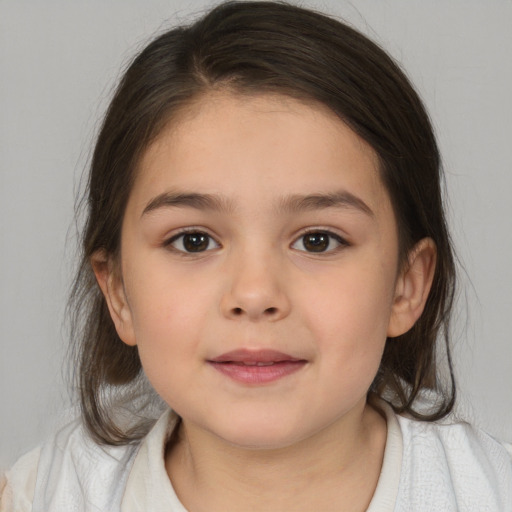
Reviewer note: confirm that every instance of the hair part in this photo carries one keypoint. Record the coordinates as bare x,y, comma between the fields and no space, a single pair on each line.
257,48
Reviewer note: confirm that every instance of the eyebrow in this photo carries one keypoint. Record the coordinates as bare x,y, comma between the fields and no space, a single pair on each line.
190,200
340,199
290,204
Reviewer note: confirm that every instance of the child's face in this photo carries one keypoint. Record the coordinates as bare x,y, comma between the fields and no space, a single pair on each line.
291,247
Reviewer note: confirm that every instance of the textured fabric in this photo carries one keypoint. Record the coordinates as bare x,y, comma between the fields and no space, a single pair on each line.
386,492
148,486
75,474
453,468
428,467
17,486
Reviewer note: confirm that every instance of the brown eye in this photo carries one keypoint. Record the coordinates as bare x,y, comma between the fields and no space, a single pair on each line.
195,241
318,241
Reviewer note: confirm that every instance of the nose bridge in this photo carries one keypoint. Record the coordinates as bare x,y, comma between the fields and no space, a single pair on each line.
256,286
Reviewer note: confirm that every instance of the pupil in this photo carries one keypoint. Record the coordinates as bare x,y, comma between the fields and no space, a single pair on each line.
195,242
316,242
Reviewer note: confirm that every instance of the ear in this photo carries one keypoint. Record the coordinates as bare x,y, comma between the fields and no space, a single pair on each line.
110,281
412,287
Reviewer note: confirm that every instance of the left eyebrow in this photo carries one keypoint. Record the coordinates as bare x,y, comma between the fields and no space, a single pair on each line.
340,199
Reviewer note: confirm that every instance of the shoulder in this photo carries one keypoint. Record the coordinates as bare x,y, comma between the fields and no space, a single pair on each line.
455,466
69,472
18,484
76,473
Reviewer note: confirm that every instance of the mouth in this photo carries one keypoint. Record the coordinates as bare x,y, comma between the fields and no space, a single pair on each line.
256,366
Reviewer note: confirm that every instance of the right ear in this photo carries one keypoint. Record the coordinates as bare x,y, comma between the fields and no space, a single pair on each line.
108,276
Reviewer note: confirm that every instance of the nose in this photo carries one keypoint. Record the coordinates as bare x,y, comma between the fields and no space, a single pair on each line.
255,290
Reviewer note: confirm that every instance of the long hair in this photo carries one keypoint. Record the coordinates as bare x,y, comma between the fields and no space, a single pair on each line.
256,48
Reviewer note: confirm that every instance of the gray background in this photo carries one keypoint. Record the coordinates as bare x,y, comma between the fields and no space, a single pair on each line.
58,63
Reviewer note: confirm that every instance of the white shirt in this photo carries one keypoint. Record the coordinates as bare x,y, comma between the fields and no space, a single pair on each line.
427,467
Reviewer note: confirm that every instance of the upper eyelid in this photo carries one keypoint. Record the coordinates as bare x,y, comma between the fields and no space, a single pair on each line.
185,231
320,229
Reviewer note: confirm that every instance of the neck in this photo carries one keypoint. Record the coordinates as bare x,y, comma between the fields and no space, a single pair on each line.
340,464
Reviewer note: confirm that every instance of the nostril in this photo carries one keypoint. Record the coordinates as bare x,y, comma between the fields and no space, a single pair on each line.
268,312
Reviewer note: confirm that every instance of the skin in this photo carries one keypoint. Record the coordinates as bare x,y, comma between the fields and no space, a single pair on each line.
310,439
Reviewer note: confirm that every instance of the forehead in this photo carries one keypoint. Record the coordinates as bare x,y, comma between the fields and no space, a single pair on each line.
239,145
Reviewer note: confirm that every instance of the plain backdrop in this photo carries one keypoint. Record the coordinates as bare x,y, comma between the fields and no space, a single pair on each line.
59,61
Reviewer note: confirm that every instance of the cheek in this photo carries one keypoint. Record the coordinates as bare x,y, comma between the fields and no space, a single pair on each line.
359,297
163,298
348,314
169,316
169,343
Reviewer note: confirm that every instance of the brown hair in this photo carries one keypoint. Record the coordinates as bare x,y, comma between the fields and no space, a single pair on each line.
258,47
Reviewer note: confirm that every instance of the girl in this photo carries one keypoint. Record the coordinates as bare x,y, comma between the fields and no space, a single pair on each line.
265,249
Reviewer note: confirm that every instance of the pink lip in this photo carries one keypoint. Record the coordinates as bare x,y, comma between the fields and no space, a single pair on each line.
256,366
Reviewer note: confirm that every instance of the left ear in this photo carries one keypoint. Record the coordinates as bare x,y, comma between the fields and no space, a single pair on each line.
412,287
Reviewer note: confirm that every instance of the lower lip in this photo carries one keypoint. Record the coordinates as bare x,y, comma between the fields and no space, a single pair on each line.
253,374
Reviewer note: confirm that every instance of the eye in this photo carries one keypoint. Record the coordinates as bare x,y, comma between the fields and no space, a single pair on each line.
192,242
319,241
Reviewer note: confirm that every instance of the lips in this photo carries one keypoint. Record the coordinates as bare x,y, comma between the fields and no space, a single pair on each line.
256,366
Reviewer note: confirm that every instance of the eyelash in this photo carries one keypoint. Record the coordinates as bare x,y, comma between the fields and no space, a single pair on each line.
195,231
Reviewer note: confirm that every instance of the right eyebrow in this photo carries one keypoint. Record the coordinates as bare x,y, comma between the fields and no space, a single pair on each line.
190,200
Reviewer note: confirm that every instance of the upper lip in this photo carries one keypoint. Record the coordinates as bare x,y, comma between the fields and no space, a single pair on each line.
253,356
